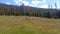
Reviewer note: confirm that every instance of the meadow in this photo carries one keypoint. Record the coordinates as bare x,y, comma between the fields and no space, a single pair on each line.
32,25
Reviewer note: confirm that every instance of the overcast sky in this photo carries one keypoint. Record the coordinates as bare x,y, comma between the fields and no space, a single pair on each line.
33,3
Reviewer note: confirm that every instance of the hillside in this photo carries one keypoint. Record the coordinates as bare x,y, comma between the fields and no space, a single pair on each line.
36,25
28,11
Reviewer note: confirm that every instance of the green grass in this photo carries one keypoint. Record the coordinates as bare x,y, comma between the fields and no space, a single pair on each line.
20,25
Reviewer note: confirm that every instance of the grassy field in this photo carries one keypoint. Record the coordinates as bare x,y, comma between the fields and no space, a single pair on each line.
34,25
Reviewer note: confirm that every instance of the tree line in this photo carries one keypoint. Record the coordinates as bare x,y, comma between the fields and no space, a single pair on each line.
29,12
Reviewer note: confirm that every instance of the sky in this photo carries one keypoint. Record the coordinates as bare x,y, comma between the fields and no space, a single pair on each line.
34,3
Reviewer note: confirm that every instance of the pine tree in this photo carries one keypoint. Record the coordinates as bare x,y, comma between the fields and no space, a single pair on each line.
48,14
55,6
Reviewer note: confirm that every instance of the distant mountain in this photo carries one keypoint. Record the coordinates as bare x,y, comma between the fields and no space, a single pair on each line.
8,7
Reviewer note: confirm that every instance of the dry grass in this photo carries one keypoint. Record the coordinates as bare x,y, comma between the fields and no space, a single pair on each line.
37,25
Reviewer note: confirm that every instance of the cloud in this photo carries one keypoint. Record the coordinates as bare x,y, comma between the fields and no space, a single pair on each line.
8,3
19,2
54,7
44,6
44,1
25,3
33,3
58,6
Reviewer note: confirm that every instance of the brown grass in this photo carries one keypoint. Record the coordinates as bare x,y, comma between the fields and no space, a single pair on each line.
44,24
